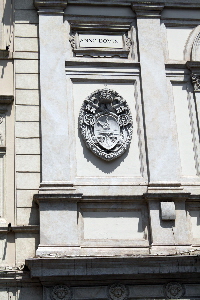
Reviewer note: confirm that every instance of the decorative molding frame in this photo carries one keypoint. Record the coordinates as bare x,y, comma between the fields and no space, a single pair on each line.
189,44
121,27
121,52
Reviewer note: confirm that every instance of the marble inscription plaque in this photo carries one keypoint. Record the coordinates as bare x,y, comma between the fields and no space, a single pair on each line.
100,41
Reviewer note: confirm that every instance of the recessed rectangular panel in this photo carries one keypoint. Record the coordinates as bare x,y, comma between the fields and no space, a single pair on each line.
184,129
176,39
123,225
195,223
129,164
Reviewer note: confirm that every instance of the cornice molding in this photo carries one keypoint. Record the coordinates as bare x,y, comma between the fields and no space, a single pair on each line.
185,4
50,5
193,66
147,10
133,267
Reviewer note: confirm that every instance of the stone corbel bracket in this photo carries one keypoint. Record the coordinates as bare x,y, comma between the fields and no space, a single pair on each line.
50,6
147,10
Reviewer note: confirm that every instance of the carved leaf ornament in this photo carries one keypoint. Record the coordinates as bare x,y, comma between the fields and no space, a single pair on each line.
105,123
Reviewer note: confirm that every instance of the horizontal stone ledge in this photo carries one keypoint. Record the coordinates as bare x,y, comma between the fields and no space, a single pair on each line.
105,267
41,4
79,197
166,196
93,62
169,3
16,275
23,228
57,197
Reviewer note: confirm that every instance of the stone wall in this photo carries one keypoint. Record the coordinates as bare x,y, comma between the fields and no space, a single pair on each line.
75,223
27,127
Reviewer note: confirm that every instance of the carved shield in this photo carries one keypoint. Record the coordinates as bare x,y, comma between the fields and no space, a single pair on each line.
107,131
105,124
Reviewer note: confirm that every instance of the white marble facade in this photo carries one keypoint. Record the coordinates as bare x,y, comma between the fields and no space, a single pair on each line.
99,149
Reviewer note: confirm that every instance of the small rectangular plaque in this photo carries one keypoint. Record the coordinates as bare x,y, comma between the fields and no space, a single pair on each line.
100,41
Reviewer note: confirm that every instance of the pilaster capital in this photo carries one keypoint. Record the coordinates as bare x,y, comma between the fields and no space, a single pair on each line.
196,82
50,6
194,67
147,10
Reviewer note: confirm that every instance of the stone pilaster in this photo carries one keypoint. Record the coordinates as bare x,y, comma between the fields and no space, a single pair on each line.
161,137
54,111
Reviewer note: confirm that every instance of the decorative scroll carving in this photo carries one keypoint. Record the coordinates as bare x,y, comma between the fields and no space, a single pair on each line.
128,43
72,40
174,290
61,292
117,291
196,82
105,123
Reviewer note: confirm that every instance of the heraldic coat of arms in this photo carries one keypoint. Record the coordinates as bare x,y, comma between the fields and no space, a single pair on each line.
106,124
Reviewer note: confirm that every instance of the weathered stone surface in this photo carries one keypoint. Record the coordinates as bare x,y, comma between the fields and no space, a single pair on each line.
120,229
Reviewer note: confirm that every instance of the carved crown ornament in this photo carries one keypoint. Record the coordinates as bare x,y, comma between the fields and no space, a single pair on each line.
105,123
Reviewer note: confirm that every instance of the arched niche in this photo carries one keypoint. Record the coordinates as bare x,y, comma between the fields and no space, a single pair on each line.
192,48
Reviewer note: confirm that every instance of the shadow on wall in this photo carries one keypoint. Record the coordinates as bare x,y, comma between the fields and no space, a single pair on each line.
105,166
25,11
6,33
30,293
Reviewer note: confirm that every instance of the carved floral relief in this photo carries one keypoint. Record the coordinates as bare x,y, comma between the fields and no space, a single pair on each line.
61,292
174,290
118,291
